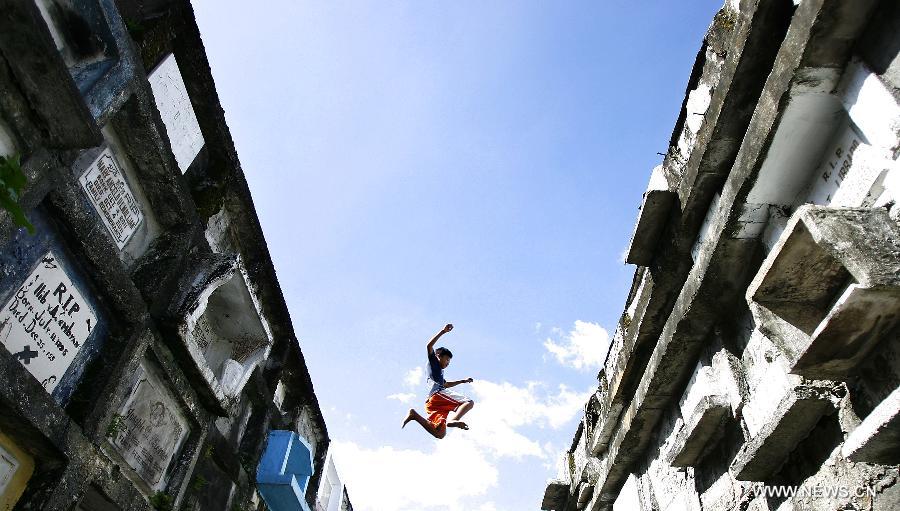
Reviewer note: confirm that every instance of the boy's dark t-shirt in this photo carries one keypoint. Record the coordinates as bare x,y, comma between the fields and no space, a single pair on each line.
435,373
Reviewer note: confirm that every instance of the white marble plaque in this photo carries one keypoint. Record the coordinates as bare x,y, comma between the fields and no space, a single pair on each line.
152,429
105,185
8,467
46,322
835,166
174,104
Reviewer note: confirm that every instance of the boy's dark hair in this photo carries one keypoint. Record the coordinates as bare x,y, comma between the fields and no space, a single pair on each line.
443,351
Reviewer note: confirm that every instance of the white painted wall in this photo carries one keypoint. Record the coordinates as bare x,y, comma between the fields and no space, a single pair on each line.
176,111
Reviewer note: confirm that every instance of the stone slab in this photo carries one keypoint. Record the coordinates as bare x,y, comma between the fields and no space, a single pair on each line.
555,495
46,322
701,428
105,185
797,414
860,319
877,439
150,428
650,224
176,111
829,290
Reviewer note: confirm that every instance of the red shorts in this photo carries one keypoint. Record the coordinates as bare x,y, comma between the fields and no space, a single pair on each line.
439,406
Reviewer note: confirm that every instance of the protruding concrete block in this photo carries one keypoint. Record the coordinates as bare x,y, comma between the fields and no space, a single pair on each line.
555,495
583,495
830,288
797,414
704,423
651,221
655,207
859,319
877,439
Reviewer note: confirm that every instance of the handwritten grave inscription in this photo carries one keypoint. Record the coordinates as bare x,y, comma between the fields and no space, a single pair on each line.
152,429
837,163
108,191
46,322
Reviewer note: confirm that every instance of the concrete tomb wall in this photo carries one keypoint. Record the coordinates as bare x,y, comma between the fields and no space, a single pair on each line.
755,365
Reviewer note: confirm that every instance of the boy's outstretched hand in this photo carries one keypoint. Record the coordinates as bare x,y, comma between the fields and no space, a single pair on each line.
468,380
447,328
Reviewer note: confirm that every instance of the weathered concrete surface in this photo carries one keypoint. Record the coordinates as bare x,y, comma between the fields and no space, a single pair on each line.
43,77
738,45
705,423
556,494
652,219
59,111
834,275
877,439
678,306
797,413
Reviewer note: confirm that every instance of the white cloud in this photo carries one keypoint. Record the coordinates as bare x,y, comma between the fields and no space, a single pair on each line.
403,397
584,347
413,377
390,479
502,408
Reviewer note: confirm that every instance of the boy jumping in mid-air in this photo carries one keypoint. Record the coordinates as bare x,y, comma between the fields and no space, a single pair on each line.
441,403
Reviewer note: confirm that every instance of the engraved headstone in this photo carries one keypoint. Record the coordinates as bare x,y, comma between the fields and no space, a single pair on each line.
105,185
150,428
46,322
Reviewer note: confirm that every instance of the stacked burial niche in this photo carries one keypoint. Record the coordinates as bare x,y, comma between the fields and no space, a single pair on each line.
221,326
829,290
828,293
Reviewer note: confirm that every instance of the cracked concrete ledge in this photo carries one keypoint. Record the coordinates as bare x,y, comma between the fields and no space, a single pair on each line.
797,414
705,422
877,439
827,325
649,227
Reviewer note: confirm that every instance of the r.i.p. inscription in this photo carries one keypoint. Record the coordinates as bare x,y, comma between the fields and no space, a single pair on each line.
46,322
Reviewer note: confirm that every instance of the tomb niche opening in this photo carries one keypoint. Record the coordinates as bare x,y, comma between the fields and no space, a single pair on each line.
226,333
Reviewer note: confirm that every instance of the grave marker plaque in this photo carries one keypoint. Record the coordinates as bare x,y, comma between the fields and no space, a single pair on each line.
105,185
46,322
9,465
152,428
836,165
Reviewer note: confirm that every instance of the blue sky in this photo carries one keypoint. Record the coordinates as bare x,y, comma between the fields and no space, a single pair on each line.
480,163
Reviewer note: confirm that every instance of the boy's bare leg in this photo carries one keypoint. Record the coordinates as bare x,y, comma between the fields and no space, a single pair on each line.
437,432
453,421
460,411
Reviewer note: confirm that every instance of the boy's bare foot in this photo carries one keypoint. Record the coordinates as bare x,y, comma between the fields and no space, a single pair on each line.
410,416
458,424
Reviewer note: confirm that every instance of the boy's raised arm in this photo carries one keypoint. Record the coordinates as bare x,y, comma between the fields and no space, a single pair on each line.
457,382
434,339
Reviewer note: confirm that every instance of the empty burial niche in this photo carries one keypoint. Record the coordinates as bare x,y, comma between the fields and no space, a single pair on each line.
231,334
82,36
830,288
803,281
